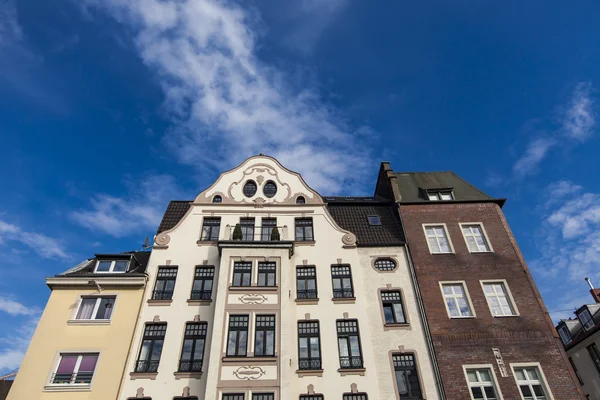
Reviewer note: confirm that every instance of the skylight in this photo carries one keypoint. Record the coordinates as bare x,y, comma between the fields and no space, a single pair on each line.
374,220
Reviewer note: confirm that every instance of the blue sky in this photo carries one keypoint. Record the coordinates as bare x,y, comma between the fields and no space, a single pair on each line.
111,108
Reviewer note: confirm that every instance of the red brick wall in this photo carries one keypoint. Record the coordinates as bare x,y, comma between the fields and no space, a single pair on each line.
525,338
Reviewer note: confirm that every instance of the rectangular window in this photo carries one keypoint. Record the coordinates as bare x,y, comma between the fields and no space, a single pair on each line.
475,238
349,344
237,341
407,378
311,397
355,396
203,282
75,369
234,396
498,299
192,353
585,317
263,396
309,345
210,228
342,281
267,229
595,355
435,195
95,308
242,273
112,266
165,283
393,309
266,273
152,344
456,300
564,334
304,230
576,371
264,342
481,384
530,383
247,225
437,239
306,283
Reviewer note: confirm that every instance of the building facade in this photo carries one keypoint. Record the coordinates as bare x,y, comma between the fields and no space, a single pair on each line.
81,344
581,339
491,332
261,289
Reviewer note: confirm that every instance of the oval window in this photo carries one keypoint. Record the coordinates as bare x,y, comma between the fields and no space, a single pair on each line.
385,264
217,199
250,189
270,189
300,200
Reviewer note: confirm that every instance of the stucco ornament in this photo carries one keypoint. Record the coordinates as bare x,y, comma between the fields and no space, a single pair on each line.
349,239
252,298
249,373
260,179
259,202
162,239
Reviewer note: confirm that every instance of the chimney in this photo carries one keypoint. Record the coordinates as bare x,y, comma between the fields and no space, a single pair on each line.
594,292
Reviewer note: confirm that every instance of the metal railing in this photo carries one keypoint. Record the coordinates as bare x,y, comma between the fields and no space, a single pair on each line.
146,365
351,362
309,363
162,295
343,293
248,233
306,294
201,295
190,365
70,379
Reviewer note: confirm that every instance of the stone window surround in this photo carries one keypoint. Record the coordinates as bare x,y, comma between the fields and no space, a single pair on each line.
543,379
80,297
468,296
445,227
214,279
490,367
195,374
386,326
50,387
483,231
254,275
384,256
403,350
251,335
508,294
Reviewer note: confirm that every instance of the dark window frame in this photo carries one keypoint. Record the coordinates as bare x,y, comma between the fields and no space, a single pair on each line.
203,274
263,396
307,229
270,193
308,329
311,397
211,228
388,302
164,275
242,269
576,371
250,188
218,199
248,227
264,325
341,273
233,396
266,270
74,378
397,360
594,355
382,264
235,324
194,331
266,228
300,200
153,332
302,276
355,396
346,330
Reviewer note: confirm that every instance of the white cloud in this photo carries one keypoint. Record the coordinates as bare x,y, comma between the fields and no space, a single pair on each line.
560,189
15,308
43,245
14,343
580,118
10,30
138,211
535,153
226,104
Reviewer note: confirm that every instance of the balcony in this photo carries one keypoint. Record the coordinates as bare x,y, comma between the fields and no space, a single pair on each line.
73,379
146,366
249,236
355,362
162,295
201,295
343,293
306,294
309,363
190,365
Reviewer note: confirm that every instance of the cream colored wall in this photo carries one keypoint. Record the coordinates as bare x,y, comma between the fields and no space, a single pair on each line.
586,367
55,334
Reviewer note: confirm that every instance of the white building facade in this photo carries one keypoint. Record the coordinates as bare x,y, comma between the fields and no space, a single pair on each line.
261,289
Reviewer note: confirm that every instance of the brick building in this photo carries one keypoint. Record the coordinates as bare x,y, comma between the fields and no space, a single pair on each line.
490,330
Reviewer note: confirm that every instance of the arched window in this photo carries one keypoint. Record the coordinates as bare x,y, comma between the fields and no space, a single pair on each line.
217,199
385,264
300,200
270,189
250,189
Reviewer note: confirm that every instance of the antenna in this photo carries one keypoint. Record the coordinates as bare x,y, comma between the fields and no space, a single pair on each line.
146,244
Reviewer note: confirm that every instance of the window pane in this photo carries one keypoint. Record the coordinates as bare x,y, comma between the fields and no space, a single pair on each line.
399,313
88,363
519,374
232,342
444,246
477,393
186,352
526,391
343,346
354,346
433,244
103,266
270,350
472,375
145,351
259,350
86,308
303,342
389,314
490,392
120,266
67,364
243,343
199,350
402,382
105,308
158,344
314,347
484,375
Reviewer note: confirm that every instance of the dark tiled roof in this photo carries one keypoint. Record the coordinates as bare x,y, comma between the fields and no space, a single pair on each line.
413,186
352,216
174,212
578,333
5,388
86,268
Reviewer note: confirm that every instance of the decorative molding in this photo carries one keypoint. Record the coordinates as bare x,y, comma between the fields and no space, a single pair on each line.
102,281
162,239
500,362
349,239
252,298
249,373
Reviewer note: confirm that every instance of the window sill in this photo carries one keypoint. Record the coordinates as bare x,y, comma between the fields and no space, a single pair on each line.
309,372
253,288
390,327
506,316
344,300
153,302
199,302
88,322
443,254
469,317
206,242
481,252
188,375
250,360
143,375
307,301
352,371
304,243
68,388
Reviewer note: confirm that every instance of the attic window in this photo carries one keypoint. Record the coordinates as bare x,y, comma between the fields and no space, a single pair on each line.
300,200
585,317
374,220
564,333
250,189
437,195
217,199
270,189
111,266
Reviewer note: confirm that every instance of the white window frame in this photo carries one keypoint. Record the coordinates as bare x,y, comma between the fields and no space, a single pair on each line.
569,336
69,387
112,267
438,194
95,310
509,297
543,381
466,290
483,232
443,225
585,326
489,367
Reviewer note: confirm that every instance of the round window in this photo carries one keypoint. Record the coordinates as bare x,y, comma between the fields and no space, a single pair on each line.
300,200
250,189
270,189
385,264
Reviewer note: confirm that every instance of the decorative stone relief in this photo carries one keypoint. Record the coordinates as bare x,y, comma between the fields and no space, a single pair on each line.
162,239
260,179
500,362
140,393
249,373
252,298
259,202
349,239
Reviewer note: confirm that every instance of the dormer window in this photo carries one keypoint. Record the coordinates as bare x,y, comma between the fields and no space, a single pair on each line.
564,334
437,195
585,317
112,266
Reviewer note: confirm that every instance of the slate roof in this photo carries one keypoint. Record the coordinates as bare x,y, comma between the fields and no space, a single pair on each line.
173,214
86,268
5,388
578,333
413,187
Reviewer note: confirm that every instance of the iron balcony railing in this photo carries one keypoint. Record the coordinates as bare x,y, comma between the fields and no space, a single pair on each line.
343,293
71,379
201,295
309,363
146,366
162,295
307,294
351,362
190,365
249,233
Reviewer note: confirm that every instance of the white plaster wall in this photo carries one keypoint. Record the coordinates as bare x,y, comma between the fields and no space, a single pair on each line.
586,367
